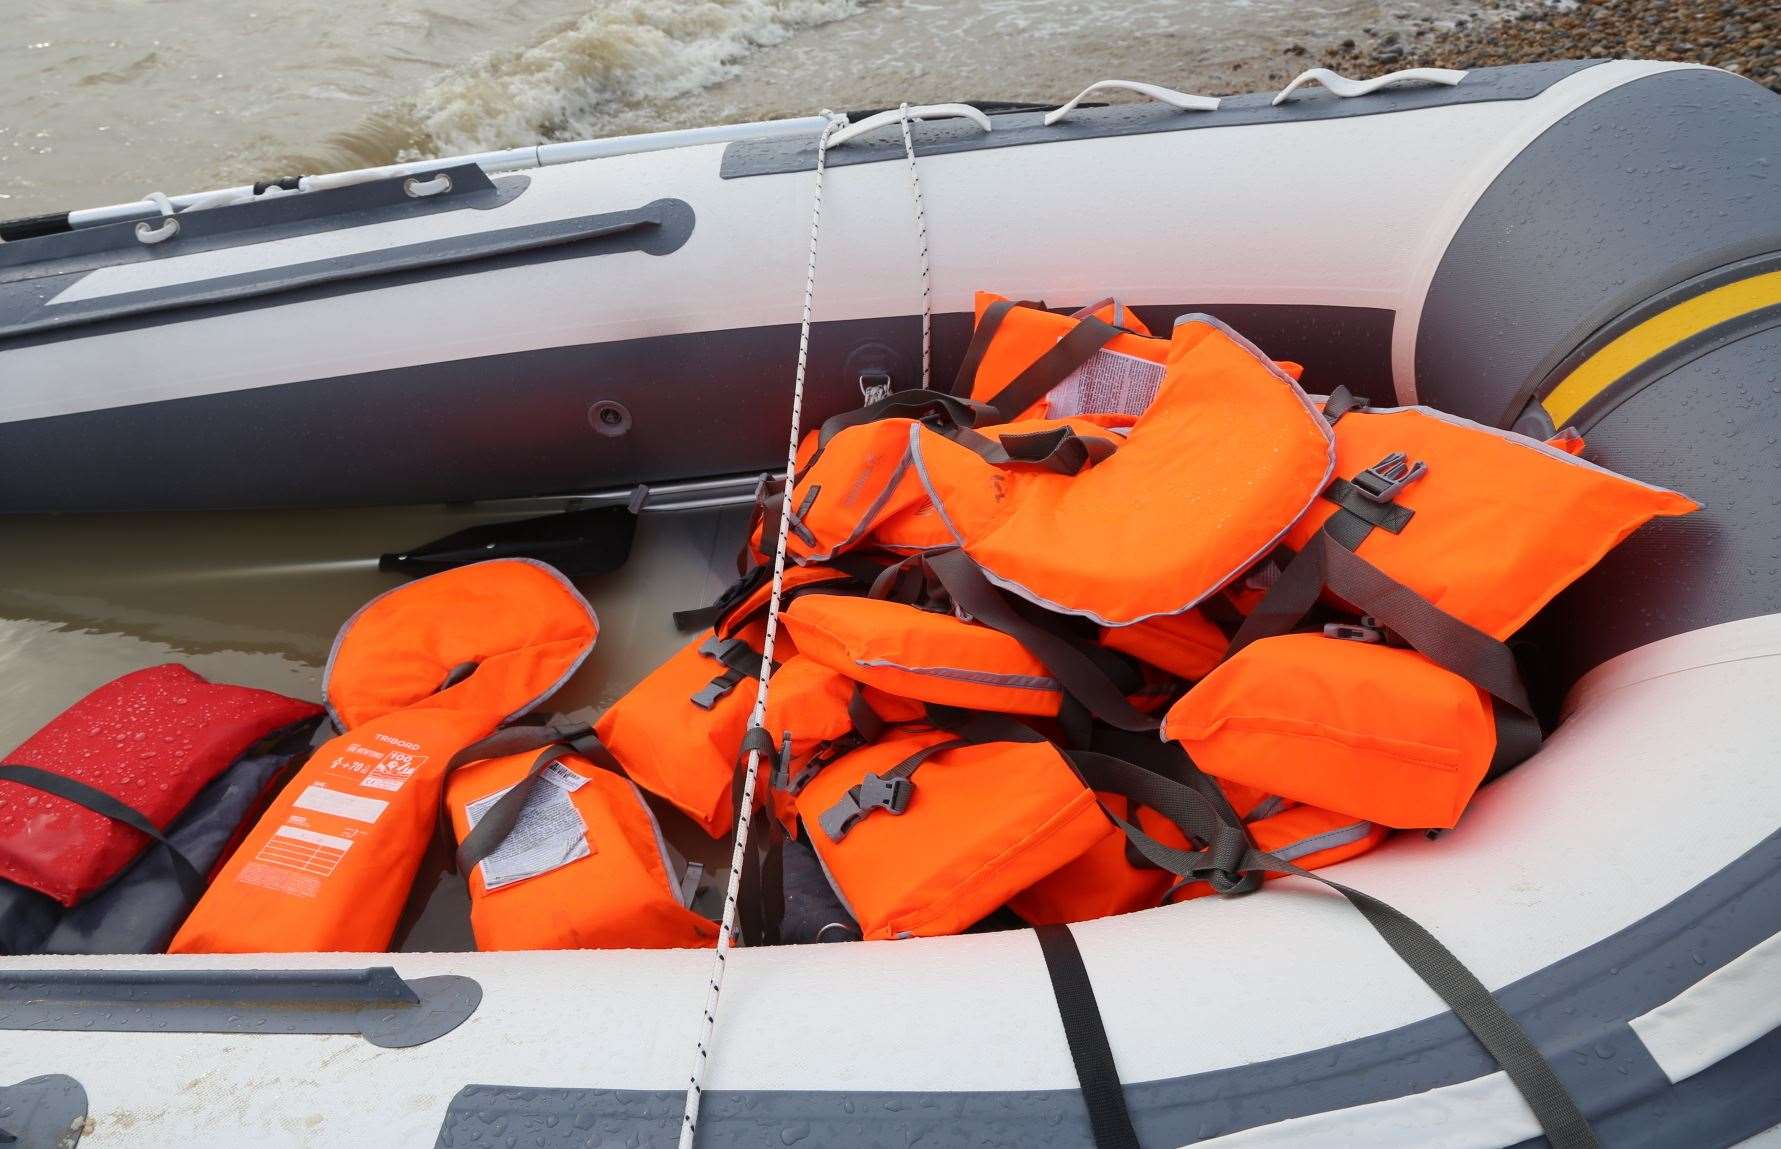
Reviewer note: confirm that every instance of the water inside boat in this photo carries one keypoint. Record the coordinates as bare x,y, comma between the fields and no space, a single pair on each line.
256,598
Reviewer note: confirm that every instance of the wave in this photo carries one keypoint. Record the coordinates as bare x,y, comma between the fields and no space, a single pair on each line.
600,73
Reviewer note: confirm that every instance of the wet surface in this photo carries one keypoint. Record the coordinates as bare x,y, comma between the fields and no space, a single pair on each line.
255,598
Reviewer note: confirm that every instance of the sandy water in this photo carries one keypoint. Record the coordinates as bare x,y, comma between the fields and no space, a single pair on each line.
105,100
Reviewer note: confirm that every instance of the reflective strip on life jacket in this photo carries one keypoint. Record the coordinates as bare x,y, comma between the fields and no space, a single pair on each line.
981,823
329,866
922,654
621,892
1207,481
1487,524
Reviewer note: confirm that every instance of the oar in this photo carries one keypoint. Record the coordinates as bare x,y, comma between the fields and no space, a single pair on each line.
581,544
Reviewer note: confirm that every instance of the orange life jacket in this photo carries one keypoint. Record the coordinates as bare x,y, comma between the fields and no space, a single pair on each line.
416,675
1487,525
924,834
583,866
1228,454
1117,369
1453,535
1367,730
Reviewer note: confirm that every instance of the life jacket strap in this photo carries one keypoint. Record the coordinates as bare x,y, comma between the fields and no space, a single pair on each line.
974,594
1046,372
1501,1035
1449,642
189,877
740,661
1059,449
890,791
1340,402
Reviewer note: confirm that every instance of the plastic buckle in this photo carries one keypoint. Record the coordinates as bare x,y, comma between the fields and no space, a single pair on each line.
718,648
873,793
1366,630
891,794
1383,480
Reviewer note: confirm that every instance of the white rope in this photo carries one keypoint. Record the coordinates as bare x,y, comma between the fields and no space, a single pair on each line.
921,227
726,930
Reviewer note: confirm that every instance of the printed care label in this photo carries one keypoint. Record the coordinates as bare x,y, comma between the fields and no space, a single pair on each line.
548,835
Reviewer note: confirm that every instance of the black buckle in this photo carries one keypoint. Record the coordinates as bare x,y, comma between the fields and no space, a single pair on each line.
1383,480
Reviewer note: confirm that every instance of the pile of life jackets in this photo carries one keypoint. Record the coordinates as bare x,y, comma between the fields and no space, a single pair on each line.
1063,641
1103,558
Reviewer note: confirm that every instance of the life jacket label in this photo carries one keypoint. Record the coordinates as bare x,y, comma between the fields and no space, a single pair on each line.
380,768
325,801
1107,382
548,835
294,860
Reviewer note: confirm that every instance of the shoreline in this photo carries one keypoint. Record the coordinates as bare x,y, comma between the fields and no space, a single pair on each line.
1739,37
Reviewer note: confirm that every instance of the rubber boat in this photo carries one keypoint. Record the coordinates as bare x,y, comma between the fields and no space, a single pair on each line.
1589,243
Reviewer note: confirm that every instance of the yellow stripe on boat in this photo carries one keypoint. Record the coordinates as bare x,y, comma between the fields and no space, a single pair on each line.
1657,335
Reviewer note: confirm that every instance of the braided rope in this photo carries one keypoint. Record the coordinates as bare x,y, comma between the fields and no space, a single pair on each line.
726,930
921,228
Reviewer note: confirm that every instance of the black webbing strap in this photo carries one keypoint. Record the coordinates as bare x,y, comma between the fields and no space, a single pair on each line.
1066,355
980,341
189,877
1086,1035
972,591
1226,858
703,617
1172,761
1059,449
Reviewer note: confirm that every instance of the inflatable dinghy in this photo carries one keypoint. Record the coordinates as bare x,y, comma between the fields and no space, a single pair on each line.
1588,244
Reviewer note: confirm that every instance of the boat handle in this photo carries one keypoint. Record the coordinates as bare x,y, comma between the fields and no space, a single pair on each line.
920,112
1347,89
1186,101
163,229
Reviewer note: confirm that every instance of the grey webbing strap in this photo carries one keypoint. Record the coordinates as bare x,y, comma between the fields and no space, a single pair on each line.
1518,736
1059,449
189,877
554,740
1360,514
914,404
888,791
1501,1035
1066,355
499,820
1447,641
740,661
1340,402
979,598
1443,639
980,341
